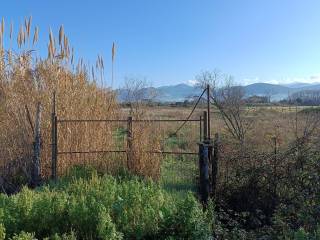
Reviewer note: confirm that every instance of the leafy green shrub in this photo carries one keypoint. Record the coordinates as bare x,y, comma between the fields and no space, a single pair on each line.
315,110
256,203
102,207
2,232
187,221
299,213
249,199
65,236
23,236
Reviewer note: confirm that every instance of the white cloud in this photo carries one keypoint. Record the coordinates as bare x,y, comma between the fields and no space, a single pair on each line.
247,81
192,82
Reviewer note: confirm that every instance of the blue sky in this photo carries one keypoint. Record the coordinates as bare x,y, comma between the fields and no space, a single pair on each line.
171,41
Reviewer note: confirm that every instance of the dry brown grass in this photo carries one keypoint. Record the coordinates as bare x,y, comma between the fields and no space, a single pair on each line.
267,123
25,80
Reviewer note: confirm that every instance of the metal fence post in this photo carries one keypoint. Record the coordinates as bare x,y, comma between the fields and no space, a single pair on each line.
208,110
55,147
36,169
200,128
205,126
204,172
204,188
129,143
215,161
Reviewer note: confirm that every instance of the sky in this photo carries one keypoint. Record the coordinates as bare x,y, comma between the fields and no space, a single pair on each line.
168,42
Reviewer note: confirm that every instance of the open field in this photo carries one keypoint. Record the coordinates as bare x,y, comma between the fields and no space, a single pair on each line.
265,122
74,165
245,183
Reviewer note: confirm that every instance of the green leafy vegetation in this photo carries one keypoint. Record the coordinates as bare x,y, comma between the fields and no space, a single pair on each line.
310,110
88,206
251,208
298,215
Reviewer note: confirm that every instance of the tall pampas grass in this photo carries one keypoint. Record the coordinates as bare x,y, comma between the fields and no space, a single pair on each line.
26,80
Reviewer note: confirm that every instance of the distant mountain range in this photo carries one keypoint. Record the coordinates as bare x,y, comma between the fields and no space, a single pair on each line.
181,92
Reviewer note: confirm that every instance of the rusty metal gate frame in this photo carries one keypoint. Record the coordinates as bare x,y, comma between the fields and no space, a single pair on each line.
129,121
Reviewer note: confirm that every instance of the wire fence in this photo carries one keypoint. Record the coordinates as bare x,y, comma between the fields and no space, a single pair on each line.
123,146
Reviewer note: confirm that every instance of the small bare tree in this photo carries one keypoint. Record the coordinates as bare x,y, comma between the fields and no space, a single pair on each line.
230,102
212,79
137,91
229,99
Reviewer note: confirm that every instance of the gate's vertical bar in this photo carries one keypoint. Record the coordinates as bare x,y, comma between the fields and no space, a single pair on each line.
200,130
205,126
129,143
215,161
208,109
55,147
204,163
204,172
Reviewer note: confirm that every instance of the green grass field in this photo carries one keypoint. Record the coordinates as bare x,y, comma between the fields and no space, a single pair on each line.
178,175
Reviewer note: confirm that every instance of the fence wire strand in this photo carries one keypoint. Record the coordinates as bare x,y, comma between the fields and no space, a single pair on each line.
194,108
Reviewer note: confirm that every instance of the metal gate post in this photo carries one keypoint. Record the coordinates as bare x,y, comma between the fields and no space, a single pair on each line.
204,172
215,161
56,147
200,128
129,143
208,110
204,152
205,125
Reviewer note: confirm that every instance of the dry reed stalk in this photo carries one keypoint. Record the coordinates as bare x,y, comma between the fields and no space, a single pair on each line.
35,36
146,139
61,35
2,26
26,80
11,30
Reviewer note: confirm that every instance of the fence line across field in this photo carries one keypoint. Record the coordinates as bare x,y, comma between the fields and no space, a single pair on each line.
124,151
55,137
124,120
208,150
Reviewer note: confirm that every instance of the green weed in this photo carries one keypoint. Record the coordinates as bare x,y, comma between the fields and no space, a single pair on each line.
102,207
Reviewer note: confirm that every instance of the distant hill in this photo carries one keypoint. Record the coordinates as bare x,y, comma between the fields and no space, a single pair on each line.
177,93
173,93
278,92
300,85
311,87
181,92
266,89
124,95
